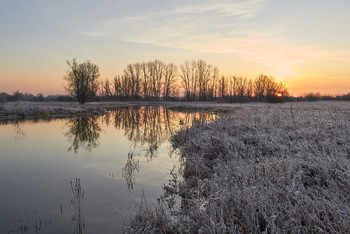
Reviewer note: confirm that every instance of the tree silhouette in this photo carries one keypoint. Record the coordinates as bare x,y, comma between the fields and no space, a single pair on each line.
82,80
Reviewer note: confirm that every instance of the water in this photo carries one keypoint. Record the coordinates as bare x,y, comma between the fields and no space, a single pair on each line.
86,175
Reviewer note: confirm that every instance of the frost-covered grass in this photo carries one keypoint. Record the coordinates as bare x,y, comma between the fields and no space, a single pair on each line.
46,110
32,110
262,169
208,106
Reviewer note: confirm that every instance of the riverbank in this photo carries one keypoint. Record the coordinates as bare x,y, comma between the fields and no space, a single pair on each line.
262,168
23,110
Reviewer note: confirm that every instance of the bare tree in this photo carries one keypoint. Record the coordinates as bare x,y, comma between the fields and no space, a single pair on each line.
250,88
170,73
82,80
145,80
117,86
214,83
126,90
186,78
233,88
223,86
106,89
203,71
241,86
156,71
189,76
260,84
133,74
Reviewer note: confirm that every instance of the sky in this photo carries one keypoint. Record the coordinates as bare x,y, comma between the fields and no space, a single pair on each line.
302,43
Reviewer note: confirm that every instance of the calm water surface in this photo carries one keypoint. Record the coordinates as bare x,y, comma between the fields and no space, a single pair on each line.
85,175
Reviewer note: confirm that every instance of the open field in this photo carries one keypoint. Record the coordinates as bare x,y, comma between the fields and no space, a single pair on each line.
261,168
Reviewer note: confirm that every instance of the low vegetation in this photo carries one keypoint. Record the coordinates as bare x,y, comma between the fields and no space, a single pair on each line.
47,110
262,169
28,110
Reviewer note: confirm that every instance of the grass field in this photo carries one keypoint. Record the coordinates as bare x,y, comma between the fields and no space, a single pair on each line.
260,168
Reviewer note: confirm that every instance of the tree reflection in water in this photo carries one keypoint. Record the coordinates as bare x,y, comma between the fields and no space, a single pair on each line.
151,126
78,196
145,126
19,134
131,167
83,132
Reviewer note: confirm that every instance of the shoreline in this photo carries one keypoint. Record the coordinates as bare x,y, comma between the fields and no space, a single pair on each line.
27,110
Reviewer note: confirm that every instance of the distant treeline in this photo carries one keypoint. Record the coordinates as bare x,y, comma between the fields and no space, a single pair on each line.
18,96
318,96
194,80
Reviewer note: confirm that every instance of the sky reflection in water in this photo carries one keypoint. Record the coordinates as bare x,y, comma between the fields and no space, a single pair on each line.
99,166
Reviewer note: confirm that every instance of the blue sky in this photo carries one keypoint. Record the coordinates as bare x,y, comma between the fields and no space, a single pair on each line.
305,44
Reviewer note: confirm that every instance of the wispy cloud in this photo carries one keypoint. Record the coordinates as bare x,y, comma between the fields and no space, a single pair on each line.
214,26
191,25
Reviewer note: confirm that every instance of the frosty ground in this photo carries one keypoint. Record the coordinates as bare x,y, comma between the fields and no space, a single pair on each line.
46,110
260,168
22,110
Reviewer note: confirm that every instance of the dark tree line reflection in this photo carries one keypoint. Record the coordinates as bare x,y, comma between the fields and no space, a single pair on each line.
19,133
83,132
132,167
151,126
78,196
146,127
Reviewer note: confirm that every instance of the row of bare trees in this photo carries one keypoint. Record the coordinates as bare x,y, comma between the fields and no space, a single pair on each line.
151,80
262,88
199,79
195,80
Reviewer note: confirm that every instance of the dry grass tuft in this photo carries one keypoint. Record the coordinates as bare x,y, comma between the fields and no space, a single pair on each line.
150,220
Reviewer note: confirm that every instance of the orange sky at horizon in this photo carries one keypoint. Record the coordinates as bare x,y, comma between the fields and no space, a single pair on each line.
296,87
51,83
